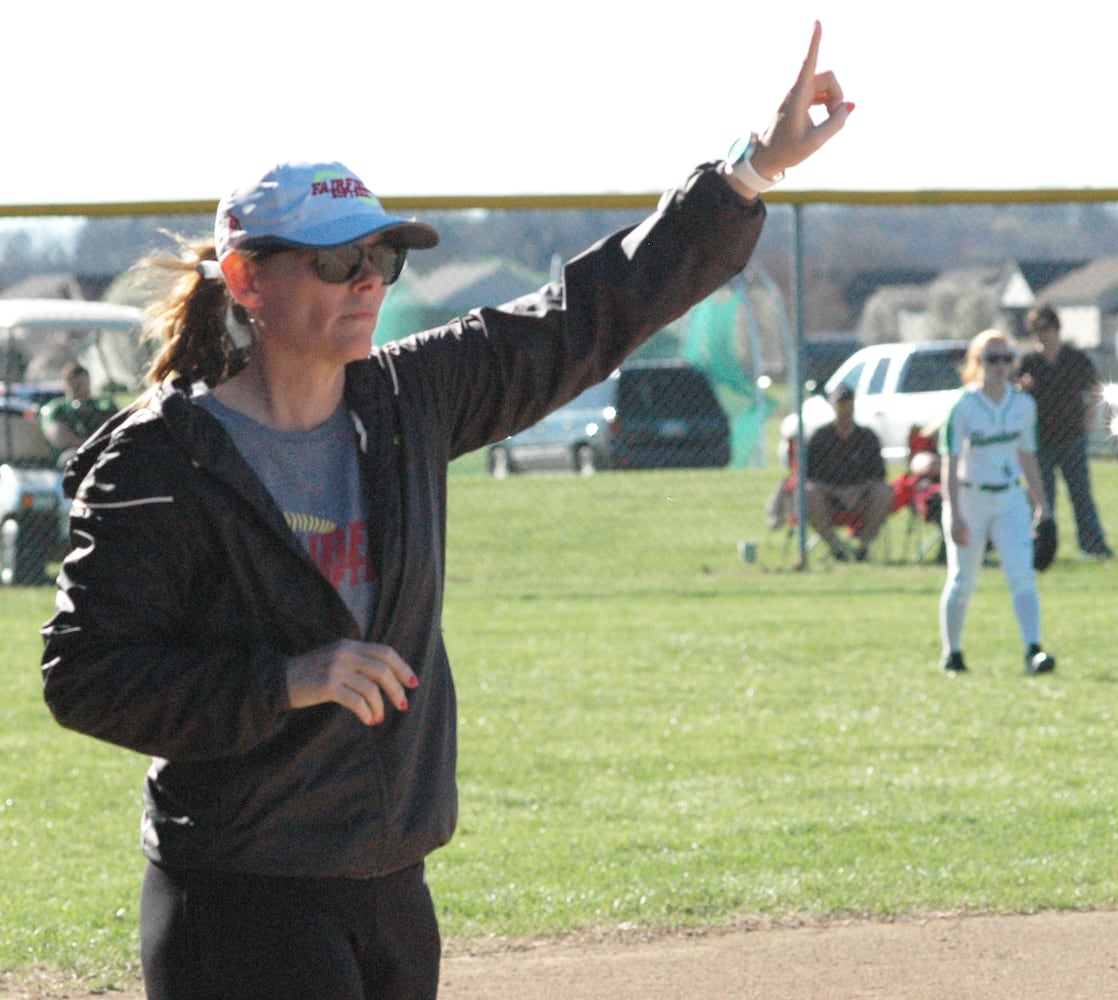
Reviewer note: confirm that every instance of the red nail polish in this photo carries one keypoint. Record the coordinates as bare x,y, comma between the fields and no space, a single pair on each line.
849,106
403,704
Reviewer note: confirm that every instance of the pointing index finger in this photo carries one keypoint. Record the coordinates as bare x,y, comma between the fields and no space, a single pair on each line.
807,70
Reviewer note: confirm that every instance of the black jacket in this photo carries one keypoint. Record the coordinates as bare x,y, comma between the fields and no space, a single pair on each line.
184,587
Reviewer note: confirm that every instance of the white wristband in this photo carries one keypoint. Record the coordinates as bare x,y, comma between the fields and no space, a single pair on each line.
740,160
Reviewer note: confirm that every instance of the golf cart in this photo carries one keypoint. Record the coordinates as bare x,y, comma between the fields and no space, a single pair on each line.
37,338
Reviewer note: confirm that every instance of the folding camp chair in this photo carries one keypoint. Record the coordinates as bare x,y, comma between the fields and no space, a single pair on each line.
917,490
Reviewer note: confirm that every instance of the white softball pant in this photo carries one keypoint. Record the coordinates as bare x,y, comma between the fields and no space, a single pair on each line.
1004,518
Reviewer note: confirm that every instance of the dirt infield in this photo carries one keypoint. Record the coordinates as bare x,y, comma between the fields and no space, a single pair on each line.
1066,955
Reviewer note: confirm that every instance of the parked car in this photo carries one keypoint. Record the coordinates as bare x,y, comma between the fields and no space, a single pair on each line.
37,336
650,414
896,387
36,393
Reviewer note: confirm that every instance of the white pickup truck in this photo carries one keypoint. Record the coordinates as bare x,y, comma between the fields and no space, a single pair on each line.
896,387
36,337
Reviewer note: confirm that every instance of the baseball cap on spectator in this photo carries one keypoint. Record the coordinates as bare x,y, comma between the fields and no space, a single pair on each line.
311,205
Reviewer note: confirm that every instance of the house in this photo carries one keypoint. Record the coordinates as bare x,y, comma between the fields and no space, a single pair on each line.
46,286
925,311
868,282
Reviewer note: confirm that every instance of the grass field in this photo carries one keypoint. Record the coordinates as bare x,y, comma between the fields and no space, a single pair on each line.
656,733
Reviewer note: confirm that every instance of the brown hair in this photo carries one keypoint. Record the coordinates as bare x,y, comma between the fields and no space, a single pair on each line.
188,323
972,364
1044,317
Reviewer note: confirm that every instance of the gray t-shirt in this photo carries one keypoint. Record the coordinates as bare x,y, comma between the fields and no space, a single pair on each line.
314,479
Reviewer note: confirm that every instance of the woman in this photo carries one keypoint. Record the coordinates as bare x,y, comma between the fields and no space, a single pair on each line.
989,441
254,590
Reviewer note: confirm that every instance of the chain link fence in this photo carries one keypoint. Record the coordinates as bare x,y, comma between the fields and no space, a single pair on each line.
891,286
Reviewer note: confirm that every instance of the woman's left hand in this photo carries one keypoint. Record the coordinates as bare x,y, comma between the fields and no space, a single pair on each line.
793,136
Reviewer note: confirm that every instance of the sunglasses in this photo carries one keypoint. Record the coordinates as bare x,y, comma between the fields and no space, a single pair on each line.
998,359
337,265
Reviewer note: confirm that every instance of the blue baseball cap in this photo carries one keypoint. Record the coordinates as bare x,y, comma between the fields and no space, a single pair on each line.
311,205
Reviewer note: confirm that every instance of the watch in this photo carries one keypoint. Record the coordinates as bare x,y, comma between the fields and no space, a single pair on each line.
740,160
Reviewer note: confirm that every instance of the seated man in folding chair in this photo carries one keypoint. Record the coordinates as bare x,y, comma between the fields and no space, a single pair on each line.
845,480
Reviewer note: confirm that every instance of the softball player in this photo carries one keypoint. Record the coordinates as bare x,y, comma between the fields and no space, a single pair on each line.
989,441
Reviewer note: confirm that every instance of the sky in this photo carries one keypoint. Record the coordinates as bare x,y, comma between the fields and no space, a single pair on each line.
125,101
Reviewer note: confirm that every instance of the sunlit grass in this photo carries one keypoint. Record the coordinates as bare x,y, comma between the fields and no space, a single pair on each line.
654,732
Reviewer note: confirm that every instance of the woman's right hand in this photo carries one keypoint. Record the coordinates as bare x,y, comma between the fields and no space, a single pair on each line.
356,675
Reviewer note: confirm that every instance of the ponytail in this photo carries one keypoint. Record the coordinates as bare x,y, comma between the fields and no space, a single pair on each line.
189,323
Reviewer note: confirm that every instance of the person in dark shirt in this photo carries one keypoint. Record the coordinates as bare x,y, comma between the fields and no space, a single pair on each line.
1063,382
846,474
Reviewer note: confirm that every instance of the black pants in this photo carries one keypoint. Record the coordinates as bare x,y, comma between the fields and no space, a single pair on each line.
212,936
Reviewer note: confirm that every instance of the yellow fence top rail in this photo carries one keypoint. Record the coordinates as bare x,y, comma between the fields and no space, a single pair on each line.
943,196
